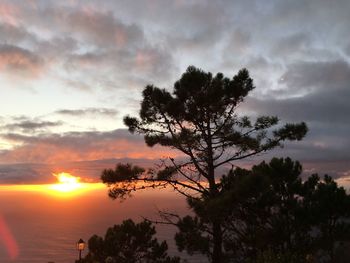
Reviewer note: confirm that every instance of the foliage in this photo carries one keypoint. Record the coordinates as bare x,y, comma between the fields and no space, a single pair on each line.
270,215
270,256
200,120
128,243
116,179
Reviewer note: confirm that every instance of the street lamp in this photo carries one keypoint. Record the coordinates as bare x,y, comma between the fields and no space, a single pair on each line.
80,247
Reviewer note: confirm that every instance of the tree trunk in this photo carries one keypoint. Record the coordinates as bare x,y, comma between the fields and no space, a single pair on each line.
216,224
216,220
217,240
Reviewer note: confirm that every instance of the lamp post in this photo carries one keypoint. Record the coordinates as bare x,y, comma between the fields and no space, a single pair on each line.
80,247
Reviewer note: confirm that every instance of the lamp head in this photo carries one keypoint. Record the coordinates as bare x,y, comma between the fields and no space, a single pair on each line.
80,244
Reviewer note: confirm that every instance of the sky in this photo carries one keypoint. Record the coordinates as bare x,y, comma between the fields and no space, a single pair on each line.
71,70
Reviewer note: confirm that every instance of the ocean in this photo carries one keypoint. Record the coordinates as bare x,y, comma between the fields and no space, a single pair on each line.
45,228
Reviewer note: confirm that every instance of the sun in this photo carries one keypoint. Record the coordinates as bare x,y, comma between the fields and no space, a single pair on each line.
66,183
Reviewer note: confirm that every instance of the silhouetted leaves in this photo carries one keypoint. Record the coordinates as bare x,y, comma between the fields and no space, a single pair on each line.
122,172
270,215
119,177
200,115
199,119
129,243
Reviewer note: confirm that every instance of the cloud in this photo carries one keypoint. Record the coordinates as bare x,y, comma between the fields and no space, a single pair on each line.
324,107
292,45
108,112
103,28
88,59
324,89
57,48
24,173
30,126
347,49
78,146
319,75
114,46
85,46
15,35
295,50
39,173
9,13
16,60
239,42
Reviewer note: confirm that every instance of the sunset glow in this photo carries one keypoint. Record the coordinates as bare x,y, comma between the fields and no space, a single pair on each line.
70,185
66,183
230,118
67,186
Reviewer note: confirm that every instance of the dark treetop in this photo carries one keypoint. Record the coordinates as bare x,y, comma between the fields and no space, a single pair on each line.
199,119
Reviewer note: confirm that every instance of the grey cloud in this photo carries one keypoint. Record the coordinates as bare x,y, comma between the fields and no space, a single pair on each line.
74,139
239,42
135,67
120,48
24,173
314,16
26,125
11,34
320,75
292,44
123,45
191,22
88,59
187,29
326,97
90,43
89,24
325,109
89,111
81,85
104,29
347,49
289,30
57,47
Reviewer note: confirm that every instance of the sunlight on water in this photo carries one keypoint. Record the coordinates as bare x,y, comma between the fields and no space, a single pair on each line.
42,222
45,223
56,190
8,240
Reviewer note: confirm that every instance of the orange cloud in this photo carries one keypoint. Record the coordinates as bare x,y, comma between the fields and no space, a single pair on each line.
80,147
84,154
19,60
9,13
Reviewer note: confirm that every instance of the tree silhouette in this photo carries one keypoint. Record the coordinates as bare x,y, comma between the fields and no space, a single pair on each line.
270,215
128,243
329,207
200,120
